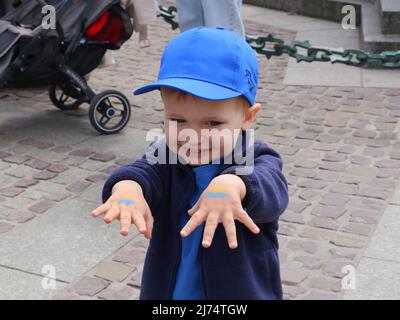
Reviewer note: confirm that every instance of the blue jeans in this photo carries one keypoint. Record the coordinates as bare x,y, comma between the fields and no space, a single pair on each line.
210,13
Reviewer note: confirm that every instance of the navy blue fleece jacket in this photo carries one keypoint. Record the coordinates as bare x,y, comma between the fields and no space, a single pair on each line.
251,271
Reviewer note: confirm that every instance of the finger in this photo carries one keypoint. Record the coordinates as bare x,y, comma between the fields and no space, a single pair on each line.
112,214
138,220
209,229
101,209
230,230
149,224
244,218
125,219
196,220
192,210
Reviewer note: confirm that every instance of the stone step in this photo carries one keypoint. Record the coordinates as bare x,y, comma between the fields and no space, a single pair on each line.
390,11
322,9
374,40
370,16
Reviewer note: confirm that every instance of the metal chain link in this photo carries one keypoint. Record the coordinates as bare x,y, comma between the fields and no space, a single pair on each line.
277,47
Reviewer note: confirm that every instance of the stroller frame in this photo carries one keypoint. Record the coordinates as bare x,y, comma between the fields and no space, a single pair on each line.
74,86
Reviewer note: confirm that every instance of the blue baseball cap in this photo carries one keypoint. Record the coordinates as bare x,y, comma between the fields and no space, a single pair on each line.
210,63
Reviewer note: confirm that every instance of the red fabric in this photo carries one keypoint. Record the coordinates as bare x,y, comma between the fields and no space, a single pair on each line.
107,28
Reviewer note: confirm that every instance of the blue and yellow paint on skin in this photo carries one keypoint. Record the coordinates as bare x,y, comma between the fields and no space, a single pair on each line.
127,201
216,192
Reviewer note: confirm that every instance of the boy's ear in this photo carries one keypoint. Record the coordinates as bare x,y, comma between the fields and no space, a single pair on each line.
250,116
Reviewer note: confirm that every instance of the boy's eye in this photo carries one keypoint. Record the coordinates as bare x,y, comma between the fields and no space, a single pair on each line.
178,120
214,123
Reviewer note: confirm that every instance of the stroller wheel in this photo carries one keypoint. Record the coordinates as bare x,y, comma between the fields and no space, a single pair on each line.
109,112
66,96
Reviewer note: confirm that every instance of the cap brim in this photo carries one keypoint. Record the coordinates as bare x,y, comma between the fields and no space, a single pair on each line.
197,88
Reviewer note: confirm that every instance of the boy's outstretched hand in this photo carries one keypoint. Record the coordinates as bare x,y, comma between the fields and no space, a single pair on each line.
128,205
220,202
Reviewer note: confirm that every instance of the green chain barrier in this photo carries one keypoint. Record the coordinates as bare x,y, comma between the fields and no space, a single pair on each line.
351,57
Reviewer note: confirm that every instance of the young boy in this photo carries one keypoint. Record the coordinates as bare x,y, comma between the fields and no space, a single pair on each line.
225,246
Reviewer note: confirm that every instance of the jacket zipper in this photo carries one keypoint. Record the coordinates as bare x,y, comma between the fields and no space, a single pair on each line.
172,286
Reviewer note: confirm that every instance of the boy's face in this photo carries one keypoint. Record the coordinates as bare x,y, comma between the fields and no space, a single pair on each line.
200,130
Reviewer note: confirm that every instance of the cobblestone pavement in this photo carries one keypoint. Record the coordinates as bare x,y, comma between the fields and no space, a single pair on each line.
341,158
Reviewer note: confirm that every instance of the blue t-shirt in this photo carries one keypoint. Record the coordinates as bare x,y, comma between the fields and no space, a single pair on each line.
189,284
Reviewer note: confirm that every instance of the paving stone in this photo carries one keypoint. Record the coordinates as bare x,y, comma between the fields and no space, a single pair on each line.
374,193
302,245
306,164
336,121
334,199
20,216
298,206
124,293
57,168
89,286
42,206
134,256
11,192
25,183
388,173
365,216
324,223
334,268
45,175
82,153
333,166
345,188
290,151
319,295
362,171
308,194
96,178
388,164
343,253
292,217
328,138
37,164
323,146
293,276
346,149
373,152
334,157
325,175
4,154
114,271
102,157
356,228
61,149
318,234
136,279
357,159
307,134
293,291
309,262
4,227
40,144
351,180
328,211
302,172
349,241
309,183
287,229
325,283
78,186
18,159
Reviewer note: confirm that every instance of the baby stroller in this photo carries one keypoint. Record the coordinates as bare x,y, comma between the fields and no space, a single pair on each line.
38,51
